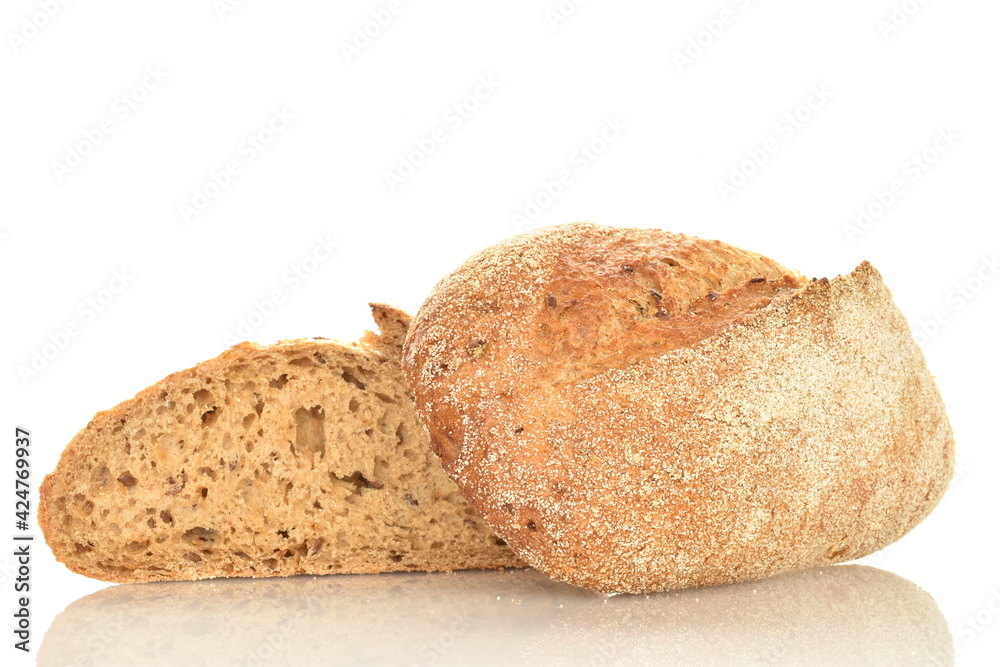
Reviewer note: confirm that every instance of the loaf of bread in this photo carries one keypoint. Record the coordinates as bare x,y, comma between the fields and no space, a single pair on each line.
634,410
303,457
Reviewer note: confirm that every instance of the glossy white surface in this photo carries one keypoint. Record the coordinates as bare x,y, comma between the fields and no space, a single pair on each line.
841,615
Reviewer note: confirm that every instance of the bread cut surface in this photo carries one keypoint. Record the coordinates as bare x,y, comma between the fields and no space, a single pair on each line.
634,410
302,457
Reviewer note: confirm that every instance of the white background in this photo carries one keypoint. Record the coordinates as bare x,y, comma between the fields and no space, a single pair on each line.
680,117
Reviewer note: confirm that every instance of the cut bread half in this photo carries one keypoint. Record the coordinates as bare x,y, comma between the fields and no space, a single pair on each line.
302,457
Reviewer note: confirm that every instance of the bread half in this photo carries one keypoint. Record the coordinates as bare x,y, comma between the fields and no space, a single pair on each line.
302,457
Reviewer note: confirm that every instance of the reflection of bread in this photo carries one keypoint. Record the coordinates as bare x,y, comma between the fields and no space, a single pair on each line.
842,615
634,410
299,457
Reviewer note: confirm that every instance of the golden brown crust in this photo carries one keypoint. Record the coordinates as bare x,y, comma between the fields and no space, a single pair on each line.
392,324
302,457
791,428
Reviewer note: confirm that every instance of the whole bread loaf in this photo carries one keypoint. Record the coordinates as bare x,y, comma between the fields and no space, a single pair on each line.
634,410
303,457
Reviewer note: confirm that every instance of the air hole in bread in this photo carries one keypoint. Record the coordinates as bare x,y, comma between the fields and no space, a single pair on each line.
310,434
385,399
301,361
279,382
210,416
176,484
381,470
135,546
202,396
199,537
353,405
259,405
358,481
352,379
100,475
86,506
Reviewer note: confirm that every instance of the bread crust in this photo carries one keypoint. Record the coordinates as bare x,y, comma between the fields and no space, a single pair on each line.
623,451
267,505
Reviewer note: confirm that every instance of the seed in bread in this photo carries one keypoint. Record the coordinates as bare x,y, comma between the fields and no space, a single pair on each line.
634,410
303,457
